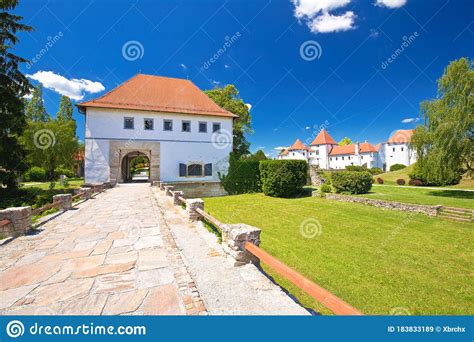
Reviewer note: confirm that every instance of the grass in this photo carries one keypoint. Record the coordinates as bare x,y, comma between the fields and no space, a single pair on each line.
73,184
390,178
374,259
420,195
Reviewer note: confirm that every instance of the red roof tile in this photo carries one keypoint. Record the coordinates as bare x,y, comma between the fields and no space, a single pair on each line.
323,138
284,153
298,145
338,150
160,94
401,136
366,147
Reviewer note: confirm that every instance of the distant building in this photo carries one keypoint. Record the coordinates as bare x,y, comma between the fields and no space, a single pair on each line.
327,154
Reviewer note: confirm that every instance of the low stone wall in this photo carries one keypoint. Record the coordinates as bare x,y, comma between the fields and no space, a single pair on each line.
316,179
198,189
430,210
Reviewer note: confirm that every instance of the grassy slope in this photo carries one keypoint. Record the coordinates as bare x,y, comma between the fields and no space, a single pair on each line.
391,179
420,195
375,260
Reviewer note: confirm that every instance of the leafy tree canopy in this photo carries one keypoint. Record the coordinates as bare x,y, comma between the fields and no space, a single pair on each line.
65,109
228,98
345,141
35,110
445,142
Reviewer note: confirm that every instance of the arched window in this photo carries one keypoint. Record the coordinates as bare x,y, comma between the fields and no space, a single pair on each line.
195,170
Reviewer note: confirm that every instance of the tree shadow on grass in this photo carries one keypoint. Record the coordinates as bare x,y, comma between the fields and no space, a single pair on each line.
452,193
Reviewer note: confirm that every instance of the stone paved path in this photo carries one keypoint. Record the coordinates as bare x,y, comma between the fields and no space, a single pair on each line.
107,256
130,251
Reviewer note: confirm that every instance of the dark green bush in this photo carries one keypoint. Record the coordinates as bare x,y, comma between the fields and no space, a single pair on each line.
283,178
355,168
243,176
400,181
325,188
35,174
62,171
376,171
352,182
396,167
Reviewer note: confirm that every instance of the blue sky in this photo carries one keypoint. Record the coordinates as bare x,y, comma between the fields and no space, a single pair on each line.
347,85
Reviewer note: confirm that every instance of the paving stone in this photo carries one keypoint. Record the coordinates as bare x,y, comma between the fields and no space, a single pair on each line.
11,296
84,263
27,275
149,242
163,300
155,277
115,282
152,258
125,302
103,269
121,257
90,305
62,291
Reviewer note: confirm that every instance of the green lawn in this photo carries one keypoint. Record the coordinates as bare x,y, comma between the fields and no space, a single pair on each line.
73,184
420,195
374,259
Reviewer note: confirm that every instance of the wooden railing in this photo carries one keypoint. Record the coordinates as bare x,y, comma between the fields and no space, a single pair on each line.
323,296
45,207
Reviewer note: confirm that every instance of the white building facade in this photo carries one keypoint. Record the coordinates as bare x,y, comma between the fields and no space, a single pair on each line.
325,153
184,134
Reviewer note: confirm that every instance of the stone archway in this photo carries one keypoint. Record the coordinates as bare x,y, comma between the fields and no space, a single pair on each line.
120,150
126,167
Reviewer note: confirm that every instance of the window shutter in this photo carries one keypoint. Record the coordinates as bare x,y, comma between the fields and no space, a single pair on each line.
182,170
208,169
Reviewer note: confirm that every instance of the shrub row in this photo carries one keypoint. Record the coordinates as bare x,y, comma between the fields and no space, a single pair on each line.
242,177
352,182
283,178
38,174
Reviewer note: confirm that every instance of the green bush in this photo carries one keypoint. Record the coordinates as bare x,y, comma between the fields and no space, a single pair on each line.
62,171
325,188
352,182
400,181
396,167
355,168
379,180
376,171
283,178
415,182
35,174
243,176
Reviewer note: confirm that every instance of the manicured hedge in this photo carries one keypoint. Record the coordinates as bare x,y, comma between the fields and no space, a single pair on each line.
283,178
243,177
352,182
35,174
396,167
63,171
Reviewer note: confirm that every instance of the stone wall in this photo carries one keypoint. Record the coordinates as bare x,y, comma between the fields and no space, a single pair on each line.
430,210
316,180
199,189
20,221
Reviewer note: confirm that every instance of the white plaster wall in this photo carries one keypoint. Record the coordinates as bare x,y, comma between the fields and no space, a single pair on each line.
341,163
297,155
97,168
104,125
397,157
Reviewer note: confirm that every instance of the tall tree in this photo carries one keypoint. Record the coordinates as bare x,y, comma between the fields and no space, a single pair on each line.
445,142
257,156
345,141
13,86
228,98
65,109
35,110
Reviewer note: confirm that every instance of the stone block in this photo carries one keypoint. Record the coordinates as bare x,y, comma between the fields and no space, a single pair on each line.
168,189
191,206
86,193
236,235
20,221
65,201
176,195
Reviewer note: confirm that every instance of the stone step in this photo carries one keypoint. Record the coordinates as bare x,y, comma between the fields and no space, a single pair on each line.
455,213
457,210
456,218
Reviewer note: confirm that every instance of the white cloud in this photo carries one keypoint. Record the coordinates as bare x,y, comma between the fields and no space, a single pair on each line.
327,22
307,127
316,15
28,96
216,83
227,66
409,120
310,8
391,3
73,88
374,33
184,66
249,106
279,148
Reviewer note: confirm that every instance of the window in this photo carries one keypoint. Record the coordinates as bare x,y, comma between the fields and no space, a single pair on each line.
342,158
186,126
167,125
216,127
336,158
303,154
394,149
202,127
148,124
195,170
402,149
128,123
317,152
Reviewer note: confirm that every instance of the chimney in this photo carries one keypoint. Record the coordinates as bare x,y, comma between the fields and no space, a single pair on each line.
357,149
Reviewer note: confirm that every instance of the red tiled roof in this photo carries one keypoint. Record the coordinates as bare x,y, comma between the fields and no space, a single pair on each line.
160,94
298,145
284,153
366,147
338,150
401,136
323,138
